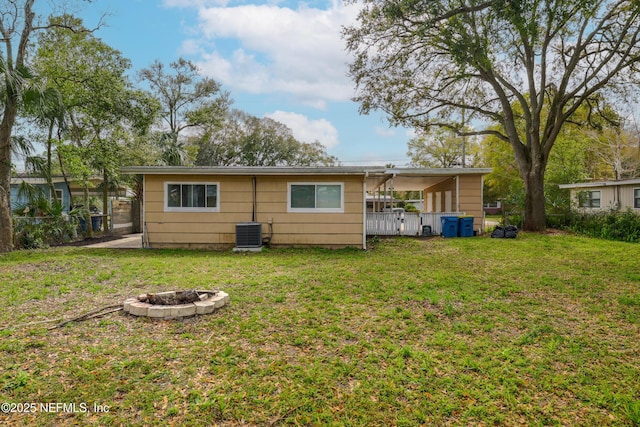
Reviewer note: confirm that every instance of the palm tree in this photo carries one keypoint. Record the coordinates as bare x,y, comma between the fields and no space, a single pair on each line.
15,92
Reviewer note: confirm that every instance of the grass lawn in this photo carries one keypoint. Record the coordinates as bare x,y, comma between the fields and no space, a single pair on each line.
540,330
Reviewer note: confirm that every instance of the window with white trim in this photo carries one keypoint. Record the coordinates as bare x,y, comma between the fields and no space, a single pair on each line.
316,197
636,198
589,199
59,195
192,197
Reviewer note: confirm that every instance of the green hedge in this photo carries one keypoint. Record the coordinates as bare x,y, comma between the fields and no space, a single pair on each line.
624,226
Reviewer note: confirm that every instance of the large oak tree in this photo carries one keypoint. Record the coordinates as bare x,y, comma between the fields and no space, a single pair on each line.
424,62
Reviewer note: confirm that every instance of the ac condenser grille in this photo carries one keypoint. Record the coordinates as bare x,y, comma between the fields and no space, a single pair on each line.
249,235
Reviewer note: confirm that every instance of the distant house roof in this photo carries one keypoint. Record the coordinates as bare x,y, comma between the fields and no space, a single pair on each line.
403,178
34,180
75,187
634,181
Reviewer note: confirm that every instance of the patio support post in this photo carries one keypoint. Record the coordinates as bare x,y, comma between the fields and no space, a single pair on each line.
385,197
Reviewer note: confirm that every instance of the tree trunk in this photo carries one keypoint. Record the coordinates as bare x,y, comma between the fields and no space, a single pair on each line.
105,201
535,218
6,222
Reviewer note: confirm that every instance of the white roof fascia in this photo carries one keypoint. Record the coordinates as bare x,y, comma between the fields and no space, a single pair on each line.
600,184
248,170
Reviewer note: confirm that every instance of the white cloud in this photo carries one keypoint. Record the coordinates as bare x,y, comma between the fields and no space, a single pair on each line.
306,130
411,133
194,3
275,49
385,132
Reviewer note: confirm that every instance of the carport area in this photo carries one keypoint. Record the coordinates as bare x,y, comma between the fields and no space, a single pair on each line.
444,192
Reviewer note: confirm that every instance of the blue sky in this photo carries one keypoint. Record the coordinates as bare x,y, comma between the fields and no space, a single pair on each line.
281,59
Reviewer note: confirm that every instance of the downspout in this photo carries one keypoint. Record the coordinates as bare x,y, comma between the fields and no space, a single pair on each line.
254,207
457,193
364,210
145,231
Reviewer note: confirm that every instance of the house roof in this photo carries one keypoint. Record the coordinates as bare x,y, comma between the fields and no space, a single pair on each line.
376,176
249,170
408,179
74,186
634,181
30,179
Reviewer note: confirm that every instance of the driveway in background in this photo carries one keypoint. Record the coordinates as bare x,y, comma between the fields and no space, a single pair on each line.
128,241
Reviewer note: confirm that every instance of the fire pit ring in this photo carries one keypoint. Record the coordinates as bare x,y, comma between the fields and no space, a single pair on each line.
176,304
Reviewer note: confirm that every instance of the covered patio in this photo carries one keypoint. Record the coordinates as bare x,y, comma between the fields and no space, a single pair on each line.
445,192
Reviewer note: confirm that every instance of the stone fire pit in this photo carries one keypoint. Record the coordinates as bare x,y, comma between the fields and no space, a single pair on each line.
176,304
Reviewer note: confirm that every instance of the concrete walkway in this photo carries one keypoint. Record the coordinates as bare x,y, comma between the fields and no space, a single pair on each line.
128,241
488,223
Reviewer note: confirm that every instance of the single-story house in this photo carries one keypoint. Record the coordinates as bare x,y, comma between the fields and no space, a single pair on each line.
18,198
201,207
493,208
65,190
605,195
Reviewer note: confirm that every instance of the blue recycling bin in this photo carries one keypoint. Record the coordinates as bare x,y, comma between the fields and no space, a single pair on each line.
449,226
465,226
96,222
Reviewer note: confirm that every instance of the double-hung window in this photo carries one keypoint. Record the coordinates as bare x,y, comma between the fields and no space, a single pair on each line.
590,199
636,198
192,197
316,197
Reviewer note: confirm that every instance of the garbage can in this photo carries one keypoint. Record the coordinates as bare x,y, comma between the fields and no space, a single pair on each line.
449,226
96,222
465,226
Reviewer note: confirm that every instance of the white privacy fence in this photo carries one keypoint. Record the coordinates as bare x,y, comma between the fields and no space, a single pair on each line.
405,223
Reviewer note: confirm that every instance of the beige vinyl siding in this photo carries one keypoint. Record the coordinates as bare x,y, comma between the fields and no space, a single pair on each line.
608,196
627,197
216,230
470,197
305,228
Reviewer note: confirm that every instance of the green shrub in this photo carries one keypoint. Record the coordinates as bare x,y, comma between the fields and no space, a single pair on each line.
42,232
43,225
559,220
623,226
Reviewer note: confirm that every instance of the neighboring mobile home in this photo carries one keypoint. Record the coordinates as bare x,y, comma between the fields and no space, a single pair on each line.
200,207
605,195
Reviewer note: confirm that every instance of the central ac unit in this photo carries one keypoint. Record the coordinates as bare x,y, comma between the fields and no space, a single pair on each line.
249,235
